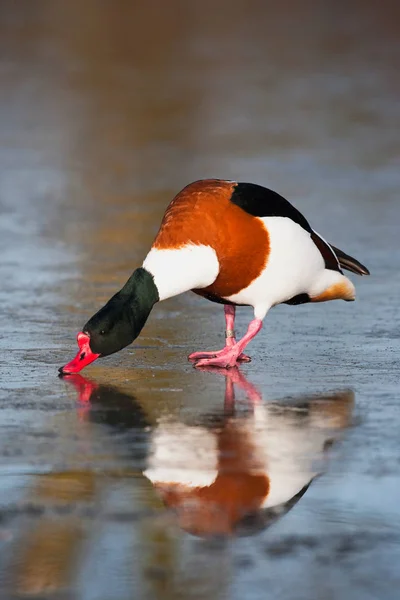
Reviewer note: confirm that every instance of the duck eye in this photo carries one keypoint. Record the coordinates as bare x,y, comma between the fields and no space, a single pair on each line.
102,332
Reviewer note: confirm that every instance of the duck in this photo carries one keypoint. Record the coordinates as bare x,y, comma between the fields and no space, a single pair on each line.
233,243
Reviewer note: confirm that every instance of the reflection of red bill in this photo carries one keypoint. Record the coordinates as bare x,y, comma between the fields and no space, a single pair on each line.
84,357
83,386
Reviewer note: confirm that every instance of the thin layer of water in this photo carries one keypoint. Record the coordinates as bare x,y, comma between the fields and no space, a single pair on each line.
106,111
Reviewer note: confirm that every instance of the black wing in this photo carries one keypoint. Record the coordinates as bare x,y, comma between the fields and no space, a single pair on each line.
350,263
260,201
336,259
331,260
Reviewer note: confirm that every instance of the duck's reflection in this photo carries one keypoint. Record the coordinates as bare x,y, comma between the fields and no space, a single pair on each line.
229,472
237,470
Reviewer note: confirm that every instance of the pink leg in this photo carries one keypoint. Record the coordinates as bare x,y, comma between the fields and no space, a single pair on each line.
228,357
229,338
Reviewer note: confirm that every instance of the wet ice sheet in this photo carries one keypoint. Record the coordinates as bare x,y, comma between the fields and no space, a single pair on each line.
95,140
115,502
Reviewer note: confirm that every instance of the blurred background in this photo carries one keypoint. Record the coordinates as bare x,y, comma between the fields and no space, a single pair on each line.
107,109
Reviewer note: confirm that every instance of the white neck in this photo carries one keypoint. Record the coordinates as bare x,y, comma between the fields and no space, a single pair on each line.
179,270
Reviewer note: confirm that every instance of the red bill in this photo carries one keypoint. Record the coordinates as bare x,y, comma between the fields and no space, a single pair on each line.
84,357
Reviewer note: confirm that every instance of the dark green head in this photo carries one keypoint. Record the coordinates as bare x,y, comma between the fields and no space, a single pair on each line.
118,323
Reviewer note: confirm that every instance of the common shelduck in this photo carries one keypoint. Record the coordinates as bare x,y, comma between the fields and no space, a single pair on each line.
238,244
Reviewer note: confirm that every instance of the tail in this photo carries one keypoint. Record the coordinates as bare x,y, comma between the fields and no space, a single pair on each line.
332,285
349,263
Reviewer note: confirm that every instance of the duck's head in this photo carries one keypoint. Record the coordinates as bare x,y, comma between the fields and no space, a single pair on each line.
108,331
117,324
